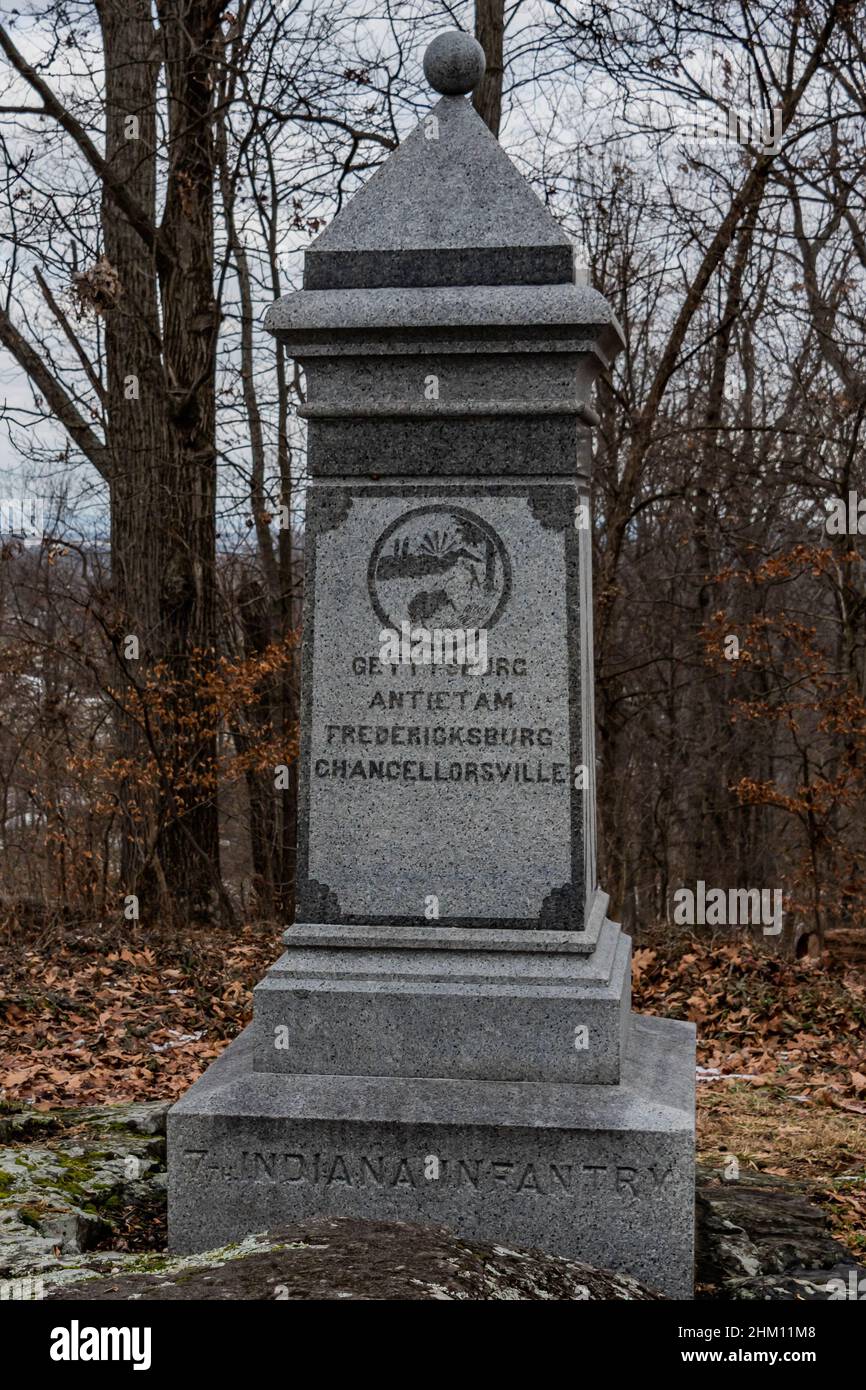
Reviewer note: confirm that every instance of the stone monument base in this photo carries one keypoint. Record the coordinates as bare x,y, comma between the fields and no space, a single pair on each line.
467,1004
600,1173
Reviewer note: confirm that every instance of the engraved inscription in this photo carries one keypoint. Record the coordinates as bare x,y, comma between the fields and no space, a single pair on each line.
415,773
541,1177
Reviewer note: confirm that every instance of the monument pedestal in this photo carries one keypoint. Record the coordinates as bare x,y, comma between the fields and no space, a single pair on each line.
486,1004
599,1173
497,1084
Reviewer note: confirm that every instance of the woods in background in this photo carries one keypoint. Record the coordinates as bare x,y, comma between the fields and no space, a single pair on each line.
165,166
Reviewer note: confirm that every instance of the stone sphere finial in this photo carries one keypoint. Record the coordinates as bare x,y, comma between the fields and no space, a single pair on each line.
454,63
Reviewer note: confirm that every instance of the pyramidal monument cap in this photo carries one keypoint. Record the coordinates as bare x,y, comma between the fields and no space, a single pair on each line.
447,253
448,207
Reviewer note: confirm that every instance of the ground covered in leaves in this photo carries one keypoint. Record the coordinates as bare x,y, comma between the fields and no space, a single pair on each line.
86,1023
781,1044
781,1060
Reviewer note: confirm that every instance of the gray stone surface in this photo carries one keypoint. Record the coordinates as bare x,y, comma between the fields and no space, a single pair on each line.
347,1259
526,353
523,352
447,208
525,318
454,63
510,1016
759,1237
762,1237
603,1174
67,1178
444,447
455,938
469,798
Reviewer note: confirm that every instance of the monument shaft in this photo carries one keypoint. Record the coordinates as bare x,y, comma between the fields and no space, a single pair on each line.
419,777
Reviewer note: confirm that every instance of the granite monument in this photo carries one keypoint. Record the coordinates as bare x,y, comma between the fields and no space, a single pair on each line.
448,1035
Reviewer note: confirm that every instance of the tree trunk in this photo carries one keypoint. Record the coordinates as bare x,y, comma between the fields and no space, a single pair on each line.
161,435
489,31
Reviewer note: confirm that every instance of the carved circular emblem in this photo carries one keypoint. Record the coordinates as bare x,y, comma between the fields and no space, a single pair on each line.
439,567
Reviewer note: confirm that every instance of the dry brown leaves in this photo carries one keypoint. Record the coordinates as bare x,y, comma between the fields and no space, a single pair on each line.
86,1025
764,1020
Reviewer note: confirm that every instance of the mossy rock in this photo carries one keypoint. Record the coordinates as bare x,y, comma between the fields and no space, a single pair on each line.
66,1177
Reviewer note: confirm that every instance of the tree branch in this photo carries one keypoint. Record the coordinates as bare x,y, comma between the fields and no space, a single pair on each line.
60,402
134,213
70,335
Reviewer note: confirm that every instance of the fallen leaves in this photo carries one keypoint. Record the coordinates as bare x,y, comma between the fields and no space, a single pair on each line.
142,1022
84,1026
763,1019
